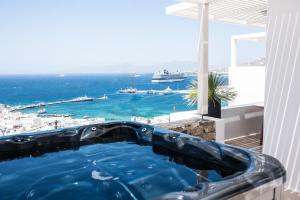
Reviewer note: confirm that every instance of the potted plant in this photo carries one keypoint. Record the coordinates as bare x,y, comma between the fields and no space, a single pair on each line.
217,92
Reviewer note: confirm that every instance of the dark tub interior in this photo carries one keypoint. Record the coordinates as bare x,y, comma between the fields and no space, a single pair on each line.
112,161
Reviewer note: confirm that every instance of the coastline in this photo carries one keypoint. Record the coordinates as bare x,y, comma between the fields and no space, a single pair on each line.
12,122
15,122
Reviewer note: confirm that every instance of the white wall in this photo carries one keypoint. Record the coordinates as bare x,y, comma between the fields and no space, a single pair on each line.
241,121
249,82
282,98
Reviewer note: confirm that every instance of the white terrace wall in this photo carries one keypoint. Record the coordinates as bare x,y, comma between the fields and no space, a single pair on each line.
239,121
282,92
249,82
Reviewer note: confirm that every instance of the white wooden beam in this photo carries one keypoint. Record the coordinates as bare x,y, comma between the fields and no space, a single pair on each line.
233,52
203,16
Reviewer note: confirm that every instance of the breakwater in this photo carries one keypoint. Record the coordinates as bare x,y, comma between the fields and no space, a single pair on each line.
42,104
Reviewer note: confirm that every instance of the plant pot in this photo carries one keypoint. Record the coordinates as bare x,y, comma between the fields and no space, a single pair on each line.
214,109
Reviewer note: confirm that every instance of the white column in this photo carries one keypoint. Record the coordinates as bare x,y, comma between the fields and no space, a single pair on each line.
203,59
233,52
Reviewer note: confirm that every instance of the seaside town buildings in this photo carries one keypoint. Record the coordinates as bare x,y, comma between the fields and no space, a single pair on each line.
17,122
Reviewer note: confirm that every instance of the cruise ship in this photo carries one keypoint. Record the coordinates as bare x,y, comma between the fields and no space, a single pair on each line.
165,76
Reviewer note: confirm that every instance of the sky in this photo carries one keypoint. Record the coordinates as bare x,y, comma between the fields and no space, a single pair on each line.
97,36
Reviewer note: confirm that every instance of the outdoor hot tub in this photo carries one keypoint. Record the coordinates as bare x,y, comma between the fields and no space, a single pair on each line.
125,160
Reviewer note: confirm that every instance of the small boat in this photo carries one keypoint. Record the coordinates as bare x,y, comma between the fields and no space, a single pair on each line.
151,92
42,111
104,97
167,91
80,99
41,104
129,90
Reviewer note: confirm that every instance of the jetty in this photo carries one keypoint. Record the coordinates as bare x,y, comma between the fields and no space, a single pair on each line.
166,91
42,104
55,115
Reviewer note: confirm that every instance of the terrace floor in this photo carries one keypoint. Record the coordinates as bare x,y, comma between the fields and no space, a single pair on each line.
288,195
251,141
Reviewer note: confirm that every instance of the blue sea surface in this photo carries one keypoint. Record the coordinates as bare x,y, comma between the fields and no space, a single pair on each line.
29,89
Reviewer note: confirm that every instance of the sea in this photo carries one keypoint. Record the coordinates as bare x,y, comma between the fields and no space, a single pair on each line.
32,89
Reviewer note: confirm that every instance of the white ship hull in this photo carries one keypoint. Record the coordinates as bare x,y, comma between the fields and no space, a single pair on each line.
167,80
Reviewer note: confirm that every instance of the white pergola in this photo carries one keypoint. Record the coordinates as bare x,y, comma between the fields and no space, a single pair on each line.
248,12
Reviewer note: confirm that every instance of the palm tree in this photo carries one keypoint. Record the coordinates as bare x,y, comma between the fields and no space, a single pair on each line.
217,92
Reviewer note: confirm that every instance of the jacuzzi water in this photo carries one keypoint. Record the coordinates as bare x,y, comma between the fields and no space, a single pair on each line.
119,170
125,160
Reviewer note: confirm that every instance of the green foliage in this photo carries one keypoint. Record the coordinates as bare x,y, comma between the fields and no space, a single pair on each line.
217,90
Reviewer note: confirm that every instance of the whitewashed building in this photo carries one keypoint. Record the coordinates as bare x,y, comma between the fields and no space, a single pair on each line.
278,83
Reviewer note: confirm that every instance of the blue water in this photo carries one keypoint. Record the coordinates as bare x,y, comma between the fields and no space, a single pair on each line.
102,171
21,90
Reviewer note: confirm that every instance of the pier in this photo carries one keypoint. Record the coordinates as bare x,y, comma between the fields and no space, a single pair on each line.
163,92
55,115
75,100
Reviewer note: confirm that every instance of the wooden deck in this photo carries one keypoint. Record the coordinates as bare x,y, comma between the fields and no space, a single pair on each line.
253,142
250,142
